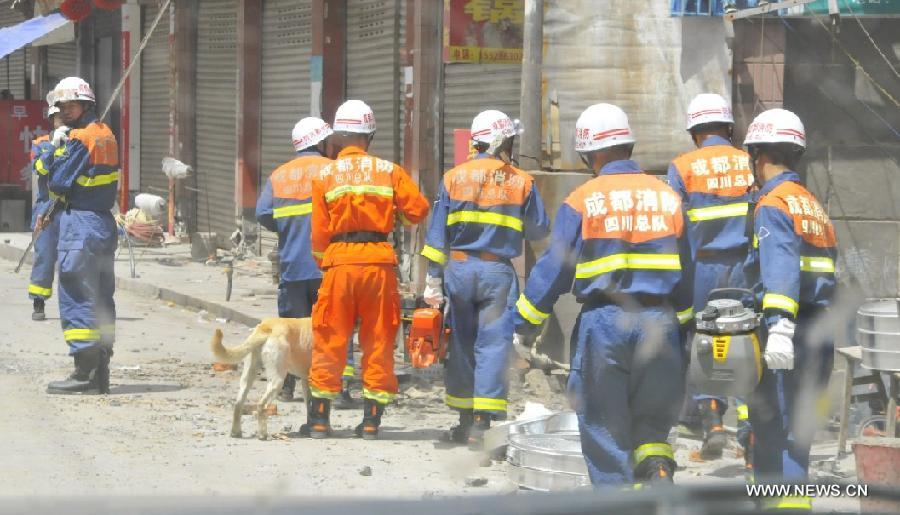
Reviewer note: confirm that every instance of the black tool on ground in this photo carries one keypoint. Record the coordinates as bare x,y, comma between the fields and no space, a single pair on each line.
39,228
725,351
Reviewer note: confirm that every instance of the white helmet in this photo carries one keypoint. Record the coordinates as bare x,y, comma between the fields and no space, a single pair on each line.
776,126
602,126
73,88
491,126
309,132
51,105
354,116
708,108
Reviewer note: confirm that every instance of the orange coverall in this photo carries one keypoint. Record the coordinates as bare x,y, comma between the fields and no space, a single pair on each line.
358,192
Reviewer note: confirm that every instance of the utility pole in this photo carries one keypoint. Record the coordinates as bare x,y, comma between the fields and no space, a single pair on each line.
531,99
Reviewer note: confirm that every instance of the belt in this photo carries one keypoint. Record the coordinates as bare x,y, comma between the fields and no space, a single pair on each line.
626,300
722,253
462,255
359,237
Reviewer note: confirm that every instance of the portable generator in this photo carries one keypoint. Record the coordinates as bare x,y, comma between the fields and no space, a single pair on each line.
725,350
428,338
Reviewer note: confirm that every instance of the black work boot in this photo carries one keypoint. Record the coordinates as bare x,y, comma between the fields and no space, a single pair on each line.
85,378
714,437
460,433
318,419
287,390
372,412
481,422
38,313
655,469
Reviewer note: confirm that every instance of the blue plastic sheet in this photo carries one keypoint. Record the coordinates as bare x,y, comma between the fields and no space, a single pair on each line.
17,36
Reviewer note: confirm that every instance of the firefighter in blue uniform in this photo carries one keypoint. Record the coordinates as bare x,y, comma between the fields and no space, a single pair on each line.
485,208
85,171
40,287
793,256
715,183
618,245
285,207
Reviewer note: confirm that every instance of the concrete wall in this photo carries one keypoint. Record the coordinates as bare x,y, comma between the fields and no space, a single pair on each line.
853,160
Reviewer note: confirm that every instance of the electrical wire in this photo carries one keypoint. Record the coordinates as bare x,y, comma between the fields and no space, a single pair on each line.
871,40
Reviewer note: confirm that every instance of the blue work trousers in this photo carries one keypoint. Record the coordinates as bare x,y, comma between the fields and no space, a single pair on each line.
481,294
626,385
87,280
44,266
786,408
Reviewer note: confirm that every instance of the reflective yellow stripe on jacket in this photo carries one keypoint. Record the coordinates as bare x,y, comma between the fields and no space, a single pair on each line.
702,214
484,217
782,302
97,180
434,254
816,264
340,191
529,312
294,210
627,261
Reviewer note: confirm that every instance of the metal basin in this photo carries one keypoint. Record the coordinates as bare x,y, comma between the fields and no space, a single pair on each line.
545,454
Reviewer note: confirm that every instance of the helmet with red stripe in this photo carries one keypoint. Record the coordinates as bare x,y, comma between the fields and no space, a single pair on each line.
492,127
354,116
309,132
776,126
602,126
708,108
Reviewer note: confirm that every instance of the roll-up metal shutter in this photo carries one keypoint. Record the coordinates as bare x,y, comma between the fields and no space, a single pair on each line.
472,88
60,62
374,39
216,107
286,47
12,67
154,104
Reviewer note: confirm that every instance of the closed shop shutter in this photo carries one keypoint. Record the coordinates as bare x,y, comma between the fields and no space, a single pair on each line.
60,62
287,41
472,88
12,67
375,35
216,106
154,104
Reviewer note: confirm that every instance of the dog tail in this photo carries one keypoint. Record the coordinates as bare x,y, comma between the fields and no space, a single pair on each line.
236,354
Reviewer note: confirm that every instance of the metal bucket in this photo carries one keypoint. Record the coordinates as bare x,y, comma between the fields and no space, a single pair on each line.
878,334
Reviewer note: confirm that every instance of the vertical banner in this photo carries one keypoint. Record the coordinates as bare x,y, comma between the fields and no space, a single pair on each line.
21,121
483,31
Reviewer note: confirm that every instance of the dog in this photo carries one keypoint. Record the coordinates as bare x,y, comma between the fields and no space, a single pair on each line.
280,345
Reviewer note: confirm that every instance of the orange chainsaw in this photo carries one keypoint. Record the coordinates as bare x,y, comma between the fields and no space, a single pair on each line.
428,338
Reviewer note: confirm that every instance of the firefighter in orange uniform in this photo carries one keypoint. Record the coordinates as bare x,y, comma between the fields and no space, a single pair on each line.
354,203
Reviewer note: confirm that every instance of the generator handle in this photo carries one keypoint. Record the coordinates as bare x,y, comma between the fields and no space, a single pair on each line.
734,294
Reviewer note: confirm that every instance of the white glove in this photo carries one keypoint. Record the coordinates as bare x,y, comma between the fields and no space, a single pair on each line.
519,346
780,346
60,135
434,292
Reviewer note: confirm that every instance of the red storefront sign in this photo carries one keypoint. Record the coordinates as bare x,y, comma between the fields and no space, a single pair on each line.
21,121
483,31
